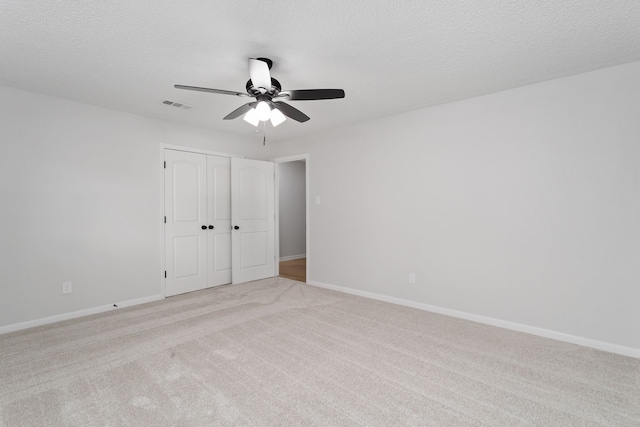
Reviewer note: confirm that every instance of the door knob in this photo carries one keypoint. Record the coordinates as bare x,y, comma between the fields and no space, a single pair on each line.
235,227
211,227
204,227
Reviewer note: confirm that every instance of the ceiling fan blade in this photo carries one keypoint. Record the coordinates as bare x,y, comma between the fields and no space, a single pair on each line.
259,72
206,89
291,112
312,94
240,111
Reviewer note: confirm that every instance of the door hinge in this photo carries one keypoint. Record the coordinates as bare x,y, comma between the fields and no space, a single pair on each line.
165,219
165,274
165,165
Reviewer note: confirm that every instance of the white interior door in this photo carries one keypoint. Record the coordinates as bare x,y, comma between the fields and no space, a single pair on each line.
219,217
253,220
186,214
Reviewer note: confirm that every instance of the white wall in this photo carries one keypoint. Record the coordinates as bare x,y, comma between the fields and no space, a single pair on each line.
82,196
292,209
521,206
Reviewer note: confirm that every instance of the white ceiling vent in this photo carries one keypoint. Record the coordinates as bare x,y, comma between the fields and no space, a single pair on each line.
178,104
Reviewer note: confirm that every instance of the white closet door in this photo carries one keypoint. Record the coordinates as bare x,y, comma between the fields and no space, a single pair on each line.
219,217
253,220
186,214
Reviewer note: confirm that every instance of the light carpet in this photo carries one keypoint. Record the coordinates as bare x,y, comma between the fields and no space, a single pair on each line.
279,352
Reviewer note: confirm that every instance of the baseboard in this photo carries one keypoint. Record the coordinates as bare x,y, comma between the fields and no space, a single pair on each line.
585,342
292,257
76,314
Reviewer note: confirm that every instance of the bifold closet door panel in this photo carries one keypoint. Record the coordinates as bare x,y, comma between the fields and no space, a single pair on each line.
219,216
253,220
186,213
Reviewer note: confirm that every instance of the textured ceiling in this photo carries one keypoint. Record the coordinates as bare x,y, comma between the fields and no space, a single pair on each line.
389,56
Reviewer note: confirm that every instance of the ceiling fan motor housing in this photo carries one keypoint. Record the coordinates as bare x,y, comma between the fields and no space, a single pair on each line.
275,88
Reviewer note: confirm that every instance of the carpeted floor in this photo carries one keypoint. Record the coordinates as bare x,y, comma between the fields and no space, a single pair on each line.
279,352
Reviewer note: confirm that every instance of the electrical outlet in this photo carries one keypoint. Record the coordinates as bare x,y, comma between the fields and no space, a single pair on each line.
412,277
66,288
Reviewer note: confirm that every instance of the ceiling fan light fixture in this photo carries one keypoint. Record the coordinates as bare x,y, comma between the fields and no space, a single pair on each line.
252,117
277,117
263,111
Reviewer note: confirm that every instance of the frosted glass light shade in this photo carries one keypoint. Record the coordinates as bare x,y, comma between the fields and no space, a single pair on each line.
252,117
263,110
277,117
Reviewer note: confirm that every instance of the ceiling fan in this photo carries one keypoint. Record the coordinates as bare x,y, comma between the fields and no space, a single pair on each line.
269,103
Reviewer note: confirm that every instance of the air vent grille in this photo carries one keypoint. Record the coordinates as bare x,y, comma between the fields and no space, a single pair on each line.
176,104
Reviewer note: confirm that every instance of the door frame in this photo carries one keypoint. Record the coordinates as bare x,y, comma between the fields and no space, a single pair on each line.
163,147
286,159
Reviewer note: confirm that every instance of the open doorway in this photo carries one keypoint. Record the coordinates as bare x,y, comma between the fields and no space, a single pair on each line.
292,217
